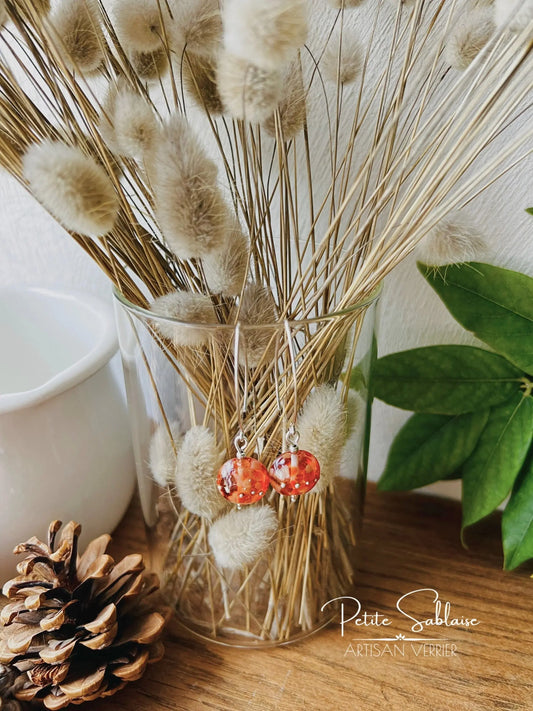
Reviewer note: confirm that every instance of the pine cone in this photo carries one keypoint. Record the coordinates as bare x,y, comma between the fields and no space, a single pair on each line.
79,627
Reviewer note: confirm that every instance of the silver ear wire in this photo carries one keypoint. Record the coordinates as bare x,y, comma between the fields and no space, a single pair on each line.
240,440
291,432
276,378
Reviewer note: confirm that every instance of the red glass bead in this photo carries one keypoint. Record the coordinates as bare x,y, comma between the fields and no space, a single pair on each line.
294,473
243,481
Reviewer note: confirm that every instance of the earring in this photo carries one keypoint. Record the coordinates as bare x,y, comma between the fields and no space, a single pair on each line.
295,472
243,480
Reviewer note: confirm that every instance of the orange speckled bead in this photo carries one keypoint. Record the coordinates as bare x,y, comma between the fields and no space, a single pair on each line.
294,473
243,480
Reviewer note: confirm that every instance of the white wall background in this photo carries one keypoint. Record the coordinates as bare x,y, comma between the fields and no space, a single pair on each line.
35,251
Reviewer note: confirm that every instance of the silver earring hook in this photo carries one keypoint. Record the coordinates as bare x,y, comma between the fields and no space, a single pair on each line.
290,345
240,440
276,378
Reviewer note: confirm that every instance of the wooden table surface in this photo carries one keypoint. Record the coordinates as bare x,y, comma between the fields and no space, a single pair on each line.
410,542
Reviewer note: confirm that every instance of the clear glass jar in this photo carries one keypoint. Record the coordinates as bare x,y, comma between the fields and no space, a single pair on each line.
259,574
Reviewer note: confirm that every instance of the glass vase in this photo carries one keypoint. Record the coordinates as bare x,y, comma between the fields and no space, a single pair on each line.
242,560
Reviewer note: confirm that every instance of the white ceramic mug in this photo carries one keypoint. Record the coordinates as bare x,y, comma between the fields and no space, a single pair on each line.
65,447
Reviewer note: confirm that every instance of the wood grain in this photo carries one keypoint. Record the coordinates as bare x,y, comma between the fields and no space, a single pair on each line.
409,542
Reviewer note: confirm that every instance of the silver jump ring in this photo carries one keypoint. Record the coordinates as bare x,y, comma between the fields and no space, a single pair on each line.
240,443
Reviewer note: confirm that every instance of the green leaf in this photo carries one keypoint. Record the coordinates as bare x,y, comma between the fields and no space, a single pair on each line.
489,474
429,448
445,380
357,379
517,521
495,304
530,210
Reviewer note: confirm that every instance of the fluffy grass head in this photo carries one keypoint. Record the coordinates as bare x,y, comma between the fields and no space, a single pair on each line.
129,124
247,91
190,308
454,239
190,208
77,26
138,24
267,34
225,270
199,74
72,187
239,538
197,27
322,428
291,112
199,460
163,452
472,32
343,58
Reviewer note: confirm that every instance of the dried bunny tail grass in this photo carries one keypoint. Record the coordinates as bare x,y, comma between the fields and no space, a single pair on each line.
189,307
322,428
355,414
130,126
247,91
472,32
77,26
225,270
136,124
292,110
454,239
356,407
190,208
150,66
343,58
163,452
199,460
138,24
257,308
200,80
239,538
515,13
197,27
267,34
3,13
72,187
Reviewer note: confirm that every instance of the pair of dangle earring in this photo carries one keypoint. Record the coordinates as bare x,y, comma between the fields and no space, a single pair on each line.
244,480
